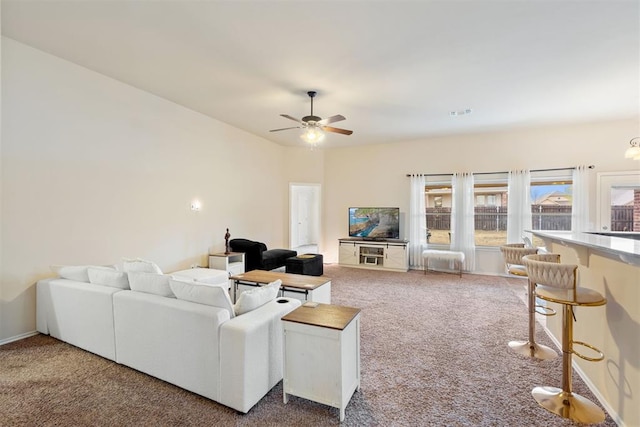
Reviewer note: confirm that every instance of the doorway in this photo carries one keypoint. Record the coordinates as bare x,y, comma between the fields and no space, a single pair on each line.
617,201
304,217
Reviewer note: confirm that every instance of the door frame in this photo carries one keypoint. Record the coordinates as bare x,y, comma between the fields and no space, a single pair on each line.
606,181
316,213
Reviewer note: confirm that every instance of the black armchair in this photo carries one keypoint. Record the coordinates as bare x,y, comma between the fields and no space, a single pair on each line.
258,257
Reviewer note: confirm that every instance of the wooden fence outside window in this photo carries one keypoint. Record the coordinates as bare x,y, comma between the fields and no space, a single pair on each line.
544,217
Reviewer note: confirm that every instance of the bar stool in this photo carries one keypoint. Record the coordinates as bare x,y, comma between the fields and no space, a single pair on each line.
557,283
513,253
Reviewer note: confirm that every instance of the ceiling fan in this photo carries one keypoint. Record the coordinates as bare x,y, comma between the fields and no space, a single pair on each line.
314,126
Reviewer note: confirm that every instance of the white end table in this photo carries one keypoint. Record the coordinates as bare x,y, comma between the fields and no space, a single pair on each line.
232,263
322,354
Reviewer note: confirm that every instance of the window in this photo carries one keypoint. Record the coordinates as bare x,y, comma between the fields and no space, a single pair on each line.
618,196
551,202
438,209
490,209
624,200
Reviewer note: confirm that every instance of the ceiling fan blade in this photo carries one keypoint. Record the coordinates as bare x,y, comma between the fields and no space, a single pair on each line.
276,130
292,118
337,130
331,119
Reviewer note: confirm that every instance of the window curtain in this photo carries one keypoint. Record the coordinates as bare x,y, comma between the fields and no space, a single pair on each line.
518,206
462,218
580,204
417,222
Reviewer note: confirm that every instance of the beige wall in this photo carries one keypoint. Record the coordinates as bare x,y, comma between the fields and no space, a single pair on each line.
94,170
376,175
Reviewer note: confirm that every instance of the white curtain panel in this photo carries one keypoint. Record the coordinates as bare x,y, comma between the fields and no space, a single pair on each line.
462,219
417,222
519,205
580,207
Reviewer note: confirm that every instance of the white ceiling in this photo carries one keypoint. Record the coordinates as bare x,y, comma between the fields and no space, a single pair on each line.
394,69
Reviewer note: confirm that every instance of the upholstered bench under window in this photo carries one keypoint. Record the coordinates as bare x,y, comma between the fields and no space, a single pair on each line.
456,257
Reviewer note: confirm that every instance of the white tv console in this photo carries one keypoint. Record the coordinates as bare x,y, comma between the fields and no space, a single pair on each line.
392,254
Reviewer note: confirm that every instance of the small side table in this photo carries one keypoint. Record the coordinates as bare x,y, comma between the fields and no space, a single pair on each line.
322,354
232,263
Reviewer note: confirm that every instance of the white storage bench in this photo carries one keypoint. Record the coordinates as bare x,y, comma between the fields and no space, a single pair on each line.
455,256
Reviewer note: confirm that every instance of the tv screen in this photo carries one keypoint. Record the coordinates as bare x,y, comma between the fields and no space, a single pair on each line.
374,223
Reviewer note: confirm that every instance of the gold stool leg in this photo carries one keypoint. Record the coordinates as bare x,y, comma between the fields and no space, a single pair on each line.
530,348
563,401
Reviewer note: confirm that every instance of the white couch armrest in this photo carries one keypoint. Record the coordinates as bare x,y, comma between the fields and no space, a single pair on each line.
43,305
78,313
251,354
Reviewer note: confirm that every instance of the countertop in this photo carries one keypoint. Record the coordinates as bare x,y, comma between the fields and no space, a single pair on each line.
625,249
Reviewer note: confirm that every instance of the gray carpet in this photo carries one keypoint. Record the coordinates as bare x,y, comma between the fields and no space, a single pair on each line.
433,348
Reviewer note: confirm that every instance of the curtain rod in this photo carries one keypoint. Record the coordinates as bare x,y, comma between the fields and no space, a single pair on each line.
491,173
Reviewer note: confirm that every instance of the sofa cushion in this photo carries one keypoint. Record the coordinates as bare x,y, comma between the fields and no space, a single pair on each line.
140,265
75,272
201,293
108,277
151,283
257,297
204,275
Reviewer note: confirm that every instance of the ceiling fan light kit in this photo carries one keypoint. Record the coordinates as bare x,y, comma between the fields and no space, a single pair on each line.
312,135
314,127
633,152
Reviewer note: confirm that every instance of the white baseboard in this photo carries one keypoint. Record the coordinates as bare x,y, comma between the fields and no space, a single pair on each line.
18,337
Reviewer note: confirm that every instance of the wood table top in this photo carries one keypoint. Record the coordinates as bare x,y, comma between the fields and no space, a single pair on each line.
222,254
324,315
299,281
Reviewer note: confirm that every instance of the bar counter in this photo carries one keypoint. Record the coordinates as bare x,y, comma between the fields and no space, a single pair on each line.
611,266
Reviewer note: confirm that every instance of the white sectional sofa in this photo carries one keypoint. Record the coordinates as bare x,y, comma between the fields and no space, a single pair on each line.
207,349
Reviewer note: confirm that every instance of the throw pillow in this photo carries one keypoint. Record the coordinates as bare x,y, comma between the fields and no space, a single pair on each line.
75,272
204,275
151,283
201,293
108,277
254,298
140,265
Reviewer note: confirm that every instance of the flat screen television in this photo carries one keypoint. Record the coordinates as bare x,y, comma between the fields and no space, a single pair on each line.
374,223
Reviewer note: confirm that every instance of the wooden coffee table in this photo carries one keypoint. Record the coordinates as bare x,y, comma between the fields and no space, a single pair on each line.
299,286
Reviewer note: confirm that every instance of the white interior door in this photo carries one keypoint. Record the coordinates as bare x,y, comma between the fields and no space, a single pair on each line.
614,188
304,214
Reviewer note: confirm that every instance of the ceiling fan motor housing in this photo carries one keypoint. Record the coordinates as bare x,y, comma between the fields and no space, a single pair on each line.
308,119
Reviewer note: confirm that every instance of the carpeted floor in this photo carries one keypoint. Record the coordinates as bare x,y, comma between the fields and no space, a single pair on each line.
433,353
